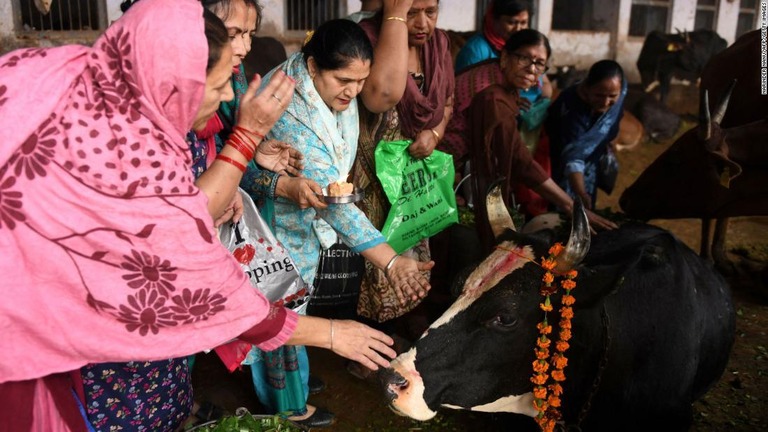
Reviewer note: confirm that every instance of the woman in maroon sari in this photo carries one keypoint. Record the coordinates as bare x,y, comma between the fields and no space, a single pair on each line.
412,59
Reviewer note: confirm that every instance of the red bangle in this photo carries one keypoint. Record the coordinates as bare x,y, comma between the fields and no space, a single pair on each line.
236,143
237,164
248,131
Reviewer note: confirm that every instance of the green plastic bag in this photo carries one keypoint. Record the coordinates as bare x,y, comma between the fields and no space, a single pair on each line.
420,191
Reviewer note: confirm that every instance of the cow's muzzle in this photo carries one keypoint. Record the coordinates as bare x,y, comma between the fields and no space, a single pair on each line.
393,383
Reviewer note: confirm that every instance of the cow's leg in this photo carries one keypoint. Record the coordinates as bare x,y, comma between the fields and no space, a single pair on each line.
719,256
665,71
706,225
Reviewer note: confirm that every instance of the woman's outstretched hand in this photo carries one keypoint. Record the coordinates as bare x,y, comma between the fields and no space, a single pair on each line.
407,277
360,343
279,157
598,222
259,110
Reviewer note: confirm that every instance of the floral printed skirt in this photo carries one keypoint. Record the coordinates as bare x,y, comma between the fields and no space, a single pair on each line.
138,396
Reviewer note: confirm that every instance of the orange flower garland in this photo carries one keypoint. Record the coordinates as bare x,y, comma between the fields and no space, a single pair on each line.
547,395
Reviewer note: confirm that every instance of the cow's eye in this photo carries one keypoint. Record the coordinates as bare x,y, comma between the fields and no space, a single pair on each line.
502,321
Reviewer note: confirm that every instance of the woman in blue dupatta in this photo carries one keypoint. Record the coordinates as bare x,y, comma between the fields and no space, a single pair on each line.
321,121
582,123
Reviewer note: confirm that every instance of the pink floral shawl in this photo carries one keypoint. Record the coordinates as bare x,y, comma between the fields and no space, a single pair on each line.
108,251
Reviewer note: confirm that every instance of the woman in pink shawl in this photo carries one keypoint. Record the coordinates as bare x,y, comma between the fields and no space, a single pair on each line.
108,244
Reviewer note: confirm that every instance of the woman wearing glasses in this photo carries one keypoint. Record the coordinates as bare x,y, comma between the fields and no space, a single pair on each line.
495,147
532,109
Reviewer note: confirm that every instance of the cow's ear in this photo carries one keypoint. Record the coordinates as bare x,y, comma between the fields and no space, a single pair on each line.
596,282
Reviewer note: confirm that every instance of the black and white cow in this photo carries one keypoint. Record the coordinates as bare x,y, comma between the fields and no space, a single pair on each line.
653,328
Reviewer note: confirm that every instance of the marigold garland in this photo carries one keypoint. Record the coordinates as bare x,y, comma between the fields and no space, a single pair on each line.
547,394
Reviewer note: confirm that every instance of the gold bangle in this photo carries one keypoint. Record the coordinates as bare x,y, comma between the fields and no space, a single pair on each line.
396,18
437,135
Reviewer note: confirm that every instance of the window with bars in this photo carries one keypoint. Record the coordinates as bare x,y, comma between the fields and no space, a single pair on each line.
64,15
649,15
592,15
706,15
748,14
303,15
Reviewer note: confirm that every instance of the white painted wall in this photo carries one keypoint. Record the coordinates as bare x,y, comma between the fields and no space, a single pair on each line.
113,10
6,19
727,19
579,48
683,15
457,15
627,47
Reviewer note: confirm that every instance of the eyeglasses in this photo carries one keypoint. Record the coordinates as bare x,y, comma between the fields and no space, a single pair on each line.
525,62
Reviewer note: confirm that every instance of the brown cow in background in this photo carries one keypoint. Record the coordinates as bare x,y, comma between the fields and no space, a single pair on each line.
709,172
742,142
741,61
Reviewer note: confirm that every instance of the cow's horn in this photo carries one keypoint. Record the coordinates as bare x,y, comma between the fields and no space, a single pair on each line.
723,106
498,215
705,124
578,242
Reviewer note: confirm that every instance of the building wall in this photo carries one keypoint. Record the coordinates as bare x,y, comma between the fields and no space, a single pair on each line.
580,48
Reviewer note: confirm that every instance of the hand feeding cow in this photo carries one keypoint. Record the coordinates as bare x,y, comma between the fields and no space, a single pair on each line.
652,331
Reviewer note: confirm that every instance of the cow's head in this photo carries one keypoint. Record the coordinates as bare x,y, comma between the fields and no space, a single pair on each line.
689,179
478,354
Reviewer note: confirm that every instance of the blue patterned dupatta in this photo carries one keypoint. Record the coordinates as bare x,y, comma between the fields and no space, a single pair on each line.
578,140
333,134
328,141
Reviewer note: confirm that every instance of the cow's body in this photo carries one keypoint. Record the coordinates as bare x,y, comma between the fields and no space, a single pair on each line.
741,61
722,176
659,122
690,180
631,132
682,55
652,331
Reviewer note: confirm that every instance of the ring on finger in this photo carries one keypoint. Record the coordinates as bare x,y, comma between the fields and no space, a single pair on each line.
276,98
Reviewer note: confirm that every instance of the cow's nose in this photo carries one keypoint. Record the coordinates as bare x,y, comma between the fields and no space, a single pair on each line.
392,382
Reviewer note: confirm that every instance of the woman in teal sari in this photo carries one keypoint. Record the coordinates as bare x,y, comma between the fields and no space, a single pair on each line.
321,121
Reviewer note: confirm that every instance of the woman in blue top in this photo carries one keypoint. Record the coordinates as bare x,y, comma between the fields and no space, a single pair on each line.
502,19
582,123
